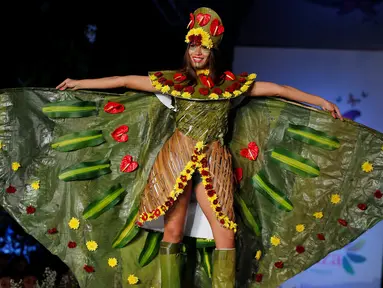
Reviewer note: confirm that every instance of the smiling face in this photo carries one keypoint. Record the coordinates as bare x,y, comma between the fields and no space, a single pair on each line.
199,56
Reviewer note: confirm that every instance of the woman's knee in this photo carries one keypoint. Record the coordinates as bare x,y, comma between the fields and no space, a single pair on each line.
173,233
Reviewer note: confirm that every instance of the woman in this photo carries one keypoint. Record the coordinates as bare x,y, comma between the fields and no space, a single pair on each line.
203,88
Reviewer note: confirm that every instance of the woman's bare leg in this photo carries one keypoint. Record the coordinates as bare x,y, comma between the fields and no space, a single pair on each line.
175,218
224,238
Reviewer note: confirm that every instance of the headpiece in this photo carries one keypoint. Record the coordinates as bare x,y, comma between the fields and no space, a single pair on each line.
206,28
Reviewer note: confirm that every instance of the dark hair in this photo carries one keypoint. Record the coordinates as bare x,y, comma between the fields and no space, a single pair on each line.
215,65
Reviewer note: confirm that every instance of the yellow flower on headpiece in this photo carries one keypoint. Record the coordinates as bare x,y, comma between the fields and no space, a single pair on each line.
203,71
226,94
186,95
165,89
132,279
367,167
244,88
213,96
205,41
91,245
15,166
176,93
112,262
252,76
152,77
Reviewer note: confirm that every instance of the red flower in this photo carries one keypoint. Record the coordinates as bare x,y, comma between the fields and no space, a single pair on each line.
188,171
194,158
242,80
342,222
238,172
251,152
127,164
10,189
158,74
114,108
209,180
30,209
208,186
204,91
169,82
362,206
138,223
191,22
300,249
217,91
203,19
195,39
211,193
229,89
178,87
183,178
320,236
189,89
279,264
244,74
222,221
258,277
179,77
204,173
206,81
144,217
181,186
72,244
378,194
157,212
236,85
88,268
162,80
229,76
216,28
204,160
215,202
197,152
119,134
52,231
218,209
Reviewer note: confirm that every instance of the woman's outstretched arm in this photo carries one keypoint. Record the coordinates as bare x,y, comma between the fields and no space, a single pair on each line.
291,93
131,82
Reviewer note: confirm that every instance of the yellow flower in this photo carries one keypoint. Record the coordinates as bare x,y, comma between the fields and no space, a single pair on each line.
300,227
158,87
112,262
155,83
152,77
132,279
35,185
275,240
165,89
318,215
335,198
237,92
74,223
199,145
367,167
226,94
213,96
176,93
244,88
91,245
258,255
203,71
249,82
15,166
252,76
186,95
206,41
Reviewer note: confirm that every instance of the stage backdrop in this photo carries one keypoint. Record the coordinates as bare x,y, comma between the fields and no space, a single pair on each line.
352,80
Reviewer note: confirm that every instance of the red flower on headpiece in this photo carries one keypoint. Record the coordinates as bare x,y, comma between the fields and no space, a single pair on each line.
169,82
204,91
217,91
203,19
127,164
206,81
191,22
230,89
244,74
251,152
195,39
114,108
189,89
10,189
229,76
178,87
162,80
242,80
158,74
236,85
179,77
119,134
216,28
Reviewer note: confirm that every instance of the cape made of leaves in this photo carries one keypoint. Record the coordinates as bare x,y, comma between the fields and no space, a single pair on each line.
314,187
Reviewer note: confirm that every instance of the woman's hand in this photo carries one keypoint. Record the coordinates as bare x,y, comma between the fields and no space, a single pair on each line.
69,84
332,108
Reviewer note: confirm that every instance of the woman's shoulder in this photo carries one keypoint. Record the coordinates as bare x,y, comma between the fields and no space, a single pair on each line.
176,84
